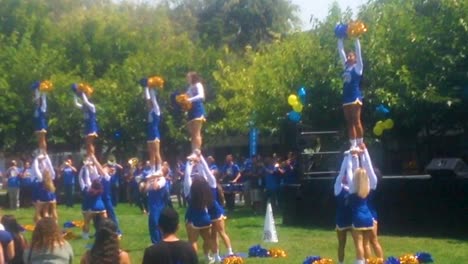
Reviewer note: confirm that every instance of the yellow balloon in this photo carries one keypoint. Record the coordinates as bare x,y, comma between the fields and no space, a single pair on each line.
388,124
292,100
377,130
298,107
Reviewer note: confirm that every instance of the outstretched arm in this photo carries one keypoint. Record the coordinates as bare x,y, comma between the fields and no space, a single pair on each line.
359,66
187,178
36,170
210,178
154,102
349,175
50,167
339,179
77,103
100,169
341,52
83,178
43,102
200,93
88,103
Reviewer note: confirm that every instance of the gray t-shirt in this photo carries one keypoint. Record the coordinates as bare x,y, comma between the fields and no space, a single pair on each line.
60,255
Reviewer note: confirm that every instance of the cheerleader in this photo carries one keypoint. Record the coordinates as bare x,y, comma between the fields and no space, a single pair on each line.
196,114
40,119
216,212
91,188
152,135
352,96
157,201
343,210
200,198
372,241
91,126
44,193
362,220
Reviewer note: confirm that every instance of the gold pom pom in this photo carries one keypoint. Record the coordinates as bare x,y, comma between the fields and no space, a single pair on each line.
375,260
86,88
155,82
277,253
356,29
29,227
46,86
78,223
323,261
183,101
233,260
408,259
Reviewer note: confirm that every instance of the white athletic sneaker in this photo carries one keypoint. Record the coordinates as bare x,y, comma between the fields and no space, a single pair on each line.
218,259
210,260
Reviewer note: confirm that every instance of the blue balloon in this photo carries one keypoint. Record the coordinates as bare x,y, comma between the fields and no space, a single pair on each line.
381,109
294,116
341,30
35,85
302,95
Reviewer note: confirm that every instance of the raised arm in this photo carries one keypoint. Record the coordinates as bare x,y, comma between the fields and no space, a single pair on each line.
83,178
44,102
154,102
200,93
341,52
77,103
367,164
100,169
349,175
88,103
210,178
36,170
187,178
339,179
359,66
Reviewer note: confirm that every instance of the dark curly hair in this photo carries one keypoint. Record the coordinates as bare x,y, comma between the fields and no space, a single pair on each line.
106,248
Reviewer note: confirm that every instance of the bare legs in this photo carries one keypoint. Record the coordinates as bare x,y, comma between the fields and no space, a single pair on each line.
341,236
359,236
194,128
41,138
372,243
154,154
90,145
352,114
88,216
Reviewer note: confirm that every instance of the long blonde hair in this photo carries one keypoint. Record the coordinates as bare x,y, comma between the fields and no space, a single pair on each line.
48,182
361,182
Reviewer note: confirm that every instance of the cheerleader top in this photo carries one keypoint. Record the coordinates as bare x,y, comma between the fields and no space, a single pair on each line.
40,165
196,92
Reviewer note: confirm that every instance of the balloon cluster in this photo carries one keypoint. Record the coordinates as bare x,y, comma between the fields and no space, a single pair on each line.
353,29
183,101
380,126
155,82
317,260
79,88
297,103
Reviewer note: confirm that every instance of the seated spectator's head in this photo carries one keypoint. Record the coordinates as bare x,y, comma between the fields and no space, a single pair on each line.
106,245
46,235
168,221
11,224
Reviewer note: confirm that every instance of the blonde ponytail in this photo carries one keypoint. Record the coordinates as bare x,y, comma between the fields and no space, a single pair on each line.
361,182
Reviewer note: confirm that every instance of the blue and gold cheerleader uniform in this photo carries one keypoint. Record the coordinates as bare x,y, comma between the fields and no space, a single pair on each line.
157,201
343,217
196,218
154,117
196,97
40,193
352,75
91,188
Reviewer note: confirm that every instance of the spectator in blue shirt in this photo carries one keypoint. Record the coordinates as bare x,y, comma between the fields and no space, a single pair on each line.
68,173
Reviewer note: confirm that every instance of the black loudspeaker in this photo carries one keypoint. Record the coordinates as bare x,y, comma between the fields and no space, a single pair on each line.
446,167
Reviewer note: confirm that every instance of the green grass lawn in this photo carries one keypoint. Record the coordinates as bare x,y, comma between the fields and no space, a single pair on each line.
246,230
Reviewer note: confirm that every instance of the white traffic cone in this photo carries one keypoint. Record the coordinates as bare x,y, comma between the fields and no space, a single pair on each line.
269,229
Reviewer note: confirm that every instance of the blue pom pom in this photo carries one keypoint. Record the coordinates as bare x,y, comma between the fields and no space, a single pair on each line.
341,30
392,260
35,85
424,257
311,259
144,82
74,88
258,251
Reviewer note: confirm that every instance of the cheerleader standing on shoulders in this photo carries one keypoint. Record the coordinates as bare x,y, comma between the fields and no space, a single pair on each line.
89,111
352,96
45,199
157,201
152,135
361,216
343,217
200,198
196,114
91,188
40,119
216,212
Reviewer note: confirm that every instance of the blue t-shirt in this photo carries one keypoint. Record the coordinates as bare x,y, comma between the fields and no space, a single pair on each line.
68,176
230,172
271,178
14,182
